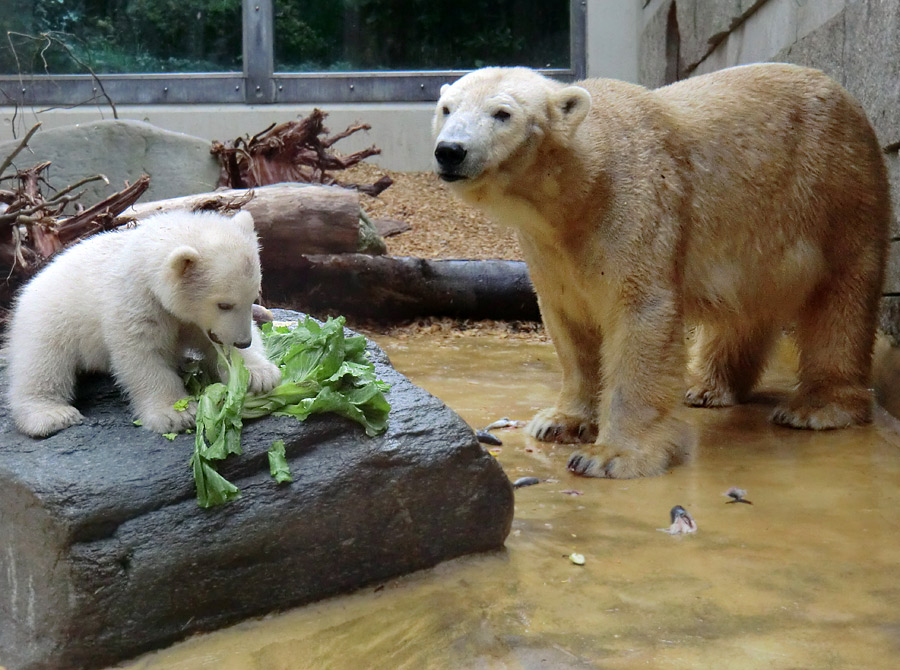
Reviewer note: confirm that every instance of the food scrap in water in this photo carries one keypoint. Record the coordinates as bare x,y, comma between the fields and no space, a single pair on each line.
736,495
682,522
577,559
525,481
486,438
572,492
505,422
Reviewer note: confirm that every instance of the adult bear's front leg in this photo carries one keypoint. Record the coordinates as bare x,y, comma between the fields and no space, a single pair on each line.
573,417
644,357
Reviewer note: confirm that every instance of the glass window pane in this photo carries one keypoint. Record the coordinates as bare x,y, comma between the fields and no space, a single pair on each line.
348,35
120,36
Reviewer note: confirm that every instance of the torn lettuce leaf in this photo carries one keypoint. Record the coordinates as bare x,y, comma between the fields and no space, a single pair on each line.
278,465
322,371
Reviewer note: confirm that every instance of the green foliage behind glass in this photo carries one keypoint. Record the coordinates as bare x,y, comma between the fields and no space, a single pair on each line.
420,34
205,35
121,36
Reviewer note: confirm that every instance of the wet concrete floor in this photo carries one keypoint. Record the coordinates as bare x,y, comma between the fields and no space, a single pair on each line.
805,577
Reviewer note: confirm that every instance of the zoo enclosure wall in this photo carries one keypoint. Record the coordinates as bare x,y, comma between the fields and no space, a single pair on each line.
853,41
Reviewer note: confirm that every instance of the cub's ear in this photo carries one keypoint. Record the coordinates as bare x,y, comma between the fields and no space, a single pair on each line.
444,88
182,261
568,108
244,219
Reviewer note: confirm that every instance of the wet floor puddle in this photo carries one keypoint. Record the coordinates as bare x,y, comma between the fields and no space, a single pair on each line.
805,577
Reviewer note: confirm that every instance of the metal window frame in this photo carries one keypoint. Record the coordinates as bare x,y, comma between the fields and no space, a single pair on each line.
259,83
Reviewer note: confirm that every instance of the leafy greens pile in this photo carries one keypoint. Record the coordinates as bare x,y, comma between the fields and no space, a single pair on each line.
321,371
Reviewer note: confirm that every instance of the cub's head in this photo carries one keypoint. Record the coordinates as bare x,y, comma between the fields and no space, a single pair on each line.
494,120
212,275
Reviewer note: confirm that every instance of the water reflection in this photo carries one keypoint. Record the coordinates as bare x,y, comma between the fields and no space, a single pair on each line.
803,578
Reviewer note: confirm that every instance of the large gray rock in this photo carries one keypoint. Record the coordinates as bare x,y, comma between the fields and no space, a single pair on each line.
105,554
178,164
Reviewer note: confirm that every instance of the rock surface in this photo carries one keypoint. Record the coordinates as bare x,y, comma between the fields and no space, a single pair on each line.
178,164
104,553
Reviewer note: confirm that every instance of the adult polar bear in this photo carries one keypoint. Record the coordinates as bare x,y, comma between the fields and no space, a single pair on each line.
132,302
740,202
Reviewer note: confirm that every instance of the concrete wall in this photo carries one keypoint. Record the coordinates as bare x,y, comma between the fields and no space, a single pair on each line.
854,41
402,131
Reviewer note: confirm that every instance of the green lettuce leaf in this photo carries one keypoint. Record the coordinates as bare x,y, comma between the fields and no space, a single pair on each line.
322,371
278,465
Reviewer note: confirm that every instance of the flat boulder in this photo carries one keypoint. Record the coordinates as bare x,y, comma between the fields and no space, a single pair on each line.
105,554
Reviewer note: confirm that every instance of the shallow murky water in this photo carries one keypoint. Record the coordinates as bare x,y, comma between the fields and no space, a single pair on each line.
806,577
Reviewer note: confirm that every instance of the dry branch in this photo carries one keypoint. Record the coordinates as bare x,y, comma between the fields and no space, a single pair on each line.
34,227
296,151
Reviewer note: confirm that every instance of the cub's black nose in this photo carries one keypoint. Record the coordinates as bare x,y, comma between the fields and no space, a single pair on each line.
243,345
449,154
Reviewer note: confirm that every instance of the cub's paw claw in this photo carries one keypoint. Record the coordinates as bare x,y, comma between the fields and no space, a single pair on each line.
552,426
264,377
46,419
168,419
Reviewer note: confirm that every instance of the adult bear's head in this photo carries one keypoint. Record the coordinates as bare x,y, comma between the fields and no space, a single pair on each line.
493,121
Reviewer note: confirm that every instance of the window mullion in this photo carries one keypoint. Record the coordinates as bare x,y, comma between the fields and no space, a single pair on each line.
259,51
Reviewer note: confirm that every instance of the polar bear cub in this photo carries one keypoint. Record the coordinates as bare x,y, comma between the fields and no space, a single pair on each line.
133,302
739,203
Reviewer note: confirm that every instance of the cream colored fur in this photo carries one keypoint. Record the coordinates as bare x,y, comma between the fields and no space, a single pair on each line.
132,302
739,202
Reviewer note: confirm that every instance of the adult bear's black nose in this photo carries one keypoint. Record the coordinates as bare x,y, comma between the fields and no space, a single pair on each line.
449,154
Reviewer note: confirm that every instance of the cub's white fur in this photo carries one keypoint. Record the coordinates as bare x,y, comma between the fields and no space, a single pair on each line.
132,302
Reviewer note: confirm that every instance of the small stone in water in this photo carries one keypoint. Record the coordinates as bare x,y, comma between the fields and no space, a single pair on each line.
525,481
736,495
577,559
486,438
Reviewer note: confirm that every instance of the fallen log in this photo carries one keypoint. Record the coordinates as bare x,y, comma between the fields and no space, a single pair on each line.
390,288
291,219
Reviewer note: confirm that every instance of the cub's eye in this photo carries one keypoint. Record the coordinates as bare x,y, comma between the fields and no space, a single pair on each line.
445,110
226,306
502,115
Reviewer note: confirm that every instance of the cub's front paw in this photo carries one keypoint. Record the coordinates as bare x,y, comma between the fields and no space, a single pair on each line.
167,419
264,376
45,419
551,425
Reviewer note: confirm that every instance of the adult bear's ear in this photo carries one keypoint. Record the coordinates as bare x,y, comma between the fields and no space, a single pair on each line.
244,219
568,107
182,261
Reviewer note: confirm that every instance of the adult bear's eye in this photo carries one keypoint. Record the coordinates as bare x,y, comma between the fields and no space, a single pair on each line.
226,306
502,115
446,110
